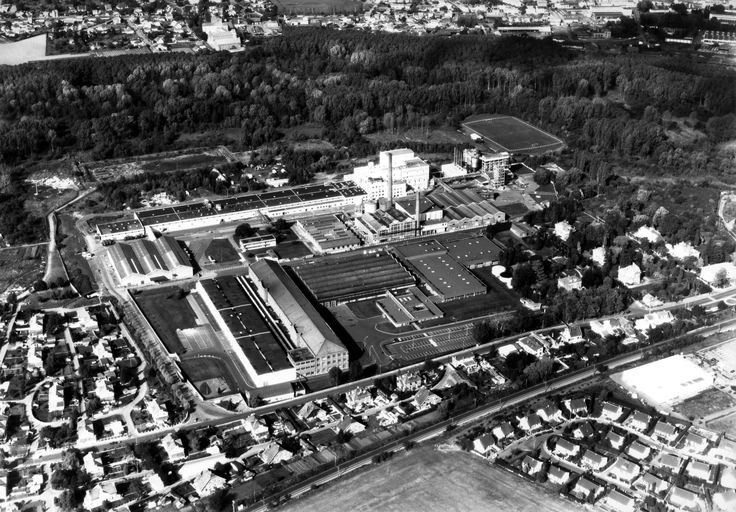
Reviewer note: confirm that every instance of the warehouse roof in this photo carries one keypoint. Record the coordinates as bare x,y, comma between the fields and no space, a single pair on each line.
144,257
474,251
311,327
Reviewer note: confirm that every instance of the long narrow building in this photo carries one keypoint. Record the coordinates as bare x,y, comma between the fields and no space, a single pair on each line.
318,347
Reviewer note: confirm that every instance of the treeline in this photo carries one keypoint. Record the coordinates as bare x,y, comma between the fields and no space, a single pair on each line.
353,83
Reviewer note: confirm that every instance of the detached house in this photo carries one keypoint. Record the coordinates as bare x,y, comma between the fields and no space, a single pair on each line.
665,431
484,444
620,502
503,431
696,443
624,470
699,470
593,460
558,475
530,422
616,440
638,451
531,466
565,448
585,488
640,421
550,413
577,407
611,411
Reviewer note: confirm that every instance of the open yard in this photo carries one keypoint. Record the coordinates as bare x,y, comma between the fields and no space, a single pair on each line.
221,250
427,480
726,424
166,313
111,170
364,309
504,133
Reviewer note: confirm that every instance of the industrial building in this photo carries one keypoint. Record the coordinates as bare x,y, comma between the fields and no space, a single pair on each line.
475,252
120,230
256,343
465,208
407,307
317,348
351,277
397,170
440,273
142,262
382,226
326,233
256,242
277,203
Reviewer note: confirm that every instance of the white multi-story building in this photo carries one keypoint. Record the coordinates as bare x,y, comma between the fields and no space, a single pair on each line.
407,170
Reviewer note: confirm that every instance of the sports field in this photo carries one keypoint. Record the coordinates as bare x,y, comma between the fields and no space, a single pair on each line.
505,133
426,480
317,6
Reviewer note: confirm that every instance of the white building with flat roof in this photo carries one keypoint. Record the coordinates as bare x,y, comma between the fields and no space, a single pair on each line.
407,170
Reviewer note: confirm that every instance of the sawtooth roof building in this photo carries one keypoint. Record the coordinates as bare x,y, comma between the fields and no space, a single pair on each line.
316,346
142,262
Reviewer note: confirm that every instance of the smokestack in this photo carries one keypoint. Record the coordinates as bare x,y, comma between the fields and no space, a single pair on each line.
390,195
417,214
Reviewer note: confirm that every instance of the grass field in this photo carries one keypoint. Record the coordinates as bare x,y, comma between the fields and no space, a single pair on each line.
503,133
221,251
71,248
317,6
725,424
364,309
21,266
428,480
166,314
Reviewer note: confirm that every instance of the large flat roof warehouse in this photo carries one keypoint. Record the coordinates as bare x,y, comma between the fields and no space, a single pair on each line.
475,252
353,276
667,381
447,278
120,226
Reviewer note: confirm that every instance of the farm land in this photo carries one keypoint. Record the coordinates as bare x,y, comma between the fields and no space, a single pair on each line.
503,133
427,479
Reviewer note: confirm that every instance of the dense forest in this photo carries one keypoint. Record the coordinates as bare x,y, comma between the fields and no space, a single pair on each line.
355,83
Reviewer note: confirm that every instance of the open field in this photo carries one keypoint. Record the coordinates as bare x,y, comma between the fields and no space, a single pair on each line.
427,480
726,424
706,403
111,170
317,6
166,314
504,133
28,50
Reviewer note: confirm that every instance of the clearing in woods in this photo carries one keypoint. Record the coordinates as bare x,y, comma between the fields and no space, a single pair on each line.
427,479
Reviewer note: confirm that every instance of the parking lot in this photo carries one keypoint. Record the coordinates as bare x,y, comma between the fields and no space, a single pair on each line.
422,345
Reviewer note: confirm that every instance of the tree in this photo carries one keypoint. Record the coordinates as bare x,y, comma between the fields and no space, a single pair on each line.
138,488
40,286
355,371
67,500
443,410
221,500
721,279
543,177
12,298
244,231
336,375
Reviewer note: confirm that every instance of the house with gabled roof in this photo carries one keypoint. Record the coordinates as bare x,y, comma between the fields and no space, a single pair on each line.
565,448
583,431
503,431
652,483
207,482
558,475
572,334
550,413
530,422
665,431
484,444
616,440
424,399
593,460
531,466
99,494
577,407
683,499
620,502
669,461
173,447
695,442
638,451
639,421
697,469
624,469
585,488
93,465
611,411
